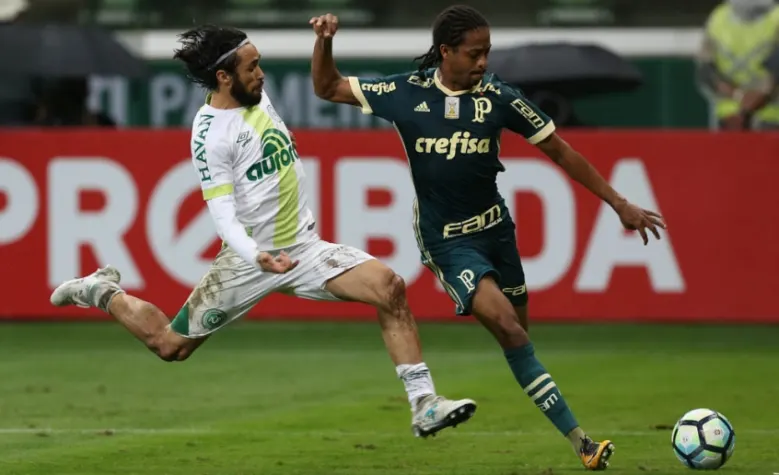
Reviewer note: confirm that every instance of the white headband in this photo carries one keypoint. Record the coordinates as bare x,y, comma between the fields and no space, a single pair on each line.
224,56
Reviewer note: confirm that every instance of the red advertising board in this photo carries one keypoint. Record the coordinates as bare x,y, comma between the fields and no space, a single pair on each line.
73,200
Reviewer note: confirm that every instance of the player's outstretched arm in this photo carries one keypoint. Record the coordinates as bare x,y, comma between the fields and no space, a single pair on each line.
579,169
328,82
520,115
214,167
232,232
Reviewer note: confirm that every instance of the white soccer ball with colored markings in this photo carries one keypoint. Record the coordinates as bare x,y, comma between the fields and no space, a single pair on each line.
703,439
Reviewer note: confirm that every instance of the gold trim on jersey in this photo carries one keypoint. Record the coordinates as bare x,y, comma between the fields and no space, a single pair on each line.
354,84
542,134
427,259
448,91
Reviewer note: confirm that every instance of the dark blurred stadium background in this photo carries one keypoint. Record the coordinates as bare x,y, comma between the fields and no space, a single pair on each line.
96,118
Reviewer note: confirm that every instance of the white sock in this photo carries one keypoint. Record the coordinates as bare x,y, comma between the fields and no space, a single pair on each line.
102,293
576,437
418,382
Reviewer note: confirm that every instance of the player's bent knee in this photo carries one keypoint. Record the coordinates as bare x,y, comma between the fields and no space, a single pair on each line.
391,291
507,329
167,353
172,353
395,299
521,311
169,350
397,289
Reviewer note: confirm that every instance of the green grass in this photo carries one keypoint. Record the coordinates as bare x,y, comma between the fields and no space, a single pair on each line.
323,399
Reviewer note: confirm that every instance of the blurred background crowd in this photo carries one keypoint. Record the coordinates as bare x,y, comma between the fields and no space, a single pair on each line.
163,14
714,66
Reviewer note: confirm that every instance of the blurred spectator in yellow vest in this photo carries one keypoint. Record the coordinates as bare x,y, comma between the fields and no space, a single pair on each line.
739,64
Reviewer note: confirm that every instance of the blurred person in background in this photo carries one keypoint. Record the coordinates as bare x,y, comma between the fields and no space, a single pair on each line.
739,64
16,97
63,103
49,11
45,101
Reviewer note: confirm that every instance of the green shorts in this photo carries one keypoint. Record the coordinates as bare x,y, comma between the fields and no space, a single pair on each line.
462,262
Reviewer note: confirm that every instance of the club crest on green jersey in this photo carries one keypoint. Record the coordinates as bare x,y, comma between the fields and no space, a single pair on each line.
481,107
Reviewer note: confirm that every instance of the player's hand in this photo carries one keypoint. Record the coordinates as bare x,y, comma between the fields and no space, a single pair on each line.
325,26
638,219
280,264
292,139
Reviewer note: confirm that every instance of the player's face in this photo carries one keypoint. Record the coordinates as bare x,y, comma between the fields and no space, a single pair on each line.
468,62
248,78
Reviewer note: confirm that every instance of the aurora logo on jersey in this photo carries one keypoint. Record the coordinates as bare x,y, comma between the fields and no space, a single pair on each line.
459,142
277,154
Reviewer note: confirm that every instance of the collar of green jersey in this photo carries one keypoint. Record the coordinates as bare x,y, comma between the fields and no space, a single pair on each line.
446,90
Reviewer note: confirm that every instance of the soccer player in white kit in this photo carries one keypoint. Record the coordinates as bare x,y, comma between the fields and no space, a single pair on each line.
253,183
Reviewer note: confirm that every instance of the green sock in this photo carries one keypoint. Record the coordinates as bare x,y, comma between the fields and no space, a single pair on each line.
541,388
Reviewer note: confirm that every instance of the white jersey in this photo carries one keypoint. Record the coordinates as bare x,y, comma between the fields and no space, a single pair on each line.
252,180
247,152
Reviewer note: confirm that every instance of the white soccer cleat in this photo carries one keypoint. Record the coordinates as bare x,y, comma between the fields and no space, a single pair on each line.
80,292
435,413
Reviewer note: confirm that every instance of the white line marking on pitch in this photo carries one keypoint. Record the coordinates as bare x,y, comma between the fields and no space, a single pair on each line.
331,433
105,431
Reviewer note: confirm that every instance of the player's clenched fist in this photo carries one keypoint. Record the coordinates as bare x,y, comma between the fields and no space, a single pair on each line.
280,264
325,26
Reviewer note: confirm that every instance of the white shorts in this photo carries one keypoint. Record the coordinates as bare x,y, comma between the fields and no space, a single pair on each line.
232,286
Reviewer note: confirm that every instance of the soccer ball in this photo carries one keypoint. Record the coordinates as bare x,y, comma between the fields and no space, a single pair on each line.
703,439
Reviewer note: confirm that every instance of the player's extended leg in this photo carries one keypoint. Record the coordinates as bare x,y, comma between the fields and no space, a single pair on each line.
377,285
494,310
143,319
521,312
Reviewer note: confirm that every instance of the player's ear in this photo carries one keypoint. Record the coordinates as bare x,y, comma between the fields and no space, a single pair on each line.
223,77
444,50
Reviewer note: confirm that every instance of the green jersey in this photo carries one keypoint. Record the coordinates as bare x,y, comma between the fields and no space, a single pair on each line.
452,141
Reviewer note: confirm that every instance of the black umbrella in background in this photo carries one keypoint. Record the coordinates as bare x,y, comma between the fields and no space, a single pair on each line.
58,51
570,70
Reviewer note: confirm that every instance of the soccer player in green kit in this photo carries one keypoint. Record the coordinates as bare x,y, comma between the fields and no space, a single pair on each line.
450,114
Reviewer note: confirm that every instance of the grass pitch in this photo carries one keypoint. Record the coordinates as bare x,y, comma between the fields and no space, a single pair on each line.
323,399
